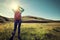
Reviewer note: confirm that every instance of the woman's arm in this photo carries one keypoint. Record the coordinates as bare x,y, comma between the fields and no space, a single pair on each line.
21,9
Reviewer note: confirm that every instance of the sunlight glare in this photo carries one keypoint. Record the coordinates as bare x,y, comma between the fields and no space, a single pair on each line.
14,6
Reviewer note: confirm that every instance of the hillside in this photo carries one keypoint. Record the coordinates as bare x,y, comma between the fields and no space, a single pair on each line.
28,19
32,19
3,19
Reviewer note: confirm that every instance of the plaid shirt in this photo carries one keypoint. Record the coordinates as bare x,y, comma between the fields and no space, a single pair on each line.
17,15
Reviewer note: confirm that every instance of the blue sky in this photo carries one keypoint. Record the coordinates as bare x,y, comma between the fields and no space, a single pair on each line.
49,9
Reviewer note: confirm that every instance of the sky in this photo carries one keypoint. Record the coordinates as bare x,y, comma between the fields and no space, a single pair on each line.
49,9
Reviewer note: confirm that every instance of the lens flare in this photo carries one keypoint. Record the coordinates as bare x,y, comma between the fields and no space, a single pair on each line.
14,6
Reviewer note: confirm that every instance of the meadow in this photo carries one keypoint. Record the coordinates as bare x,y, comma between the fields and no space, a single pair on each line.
31,31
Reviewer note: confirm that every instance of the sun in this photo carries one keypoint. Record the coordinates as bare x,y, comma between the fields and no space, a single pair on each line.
14,6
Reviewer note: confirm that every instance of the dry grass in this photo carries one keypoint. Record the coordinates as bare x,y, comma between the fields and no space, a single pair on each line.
32,31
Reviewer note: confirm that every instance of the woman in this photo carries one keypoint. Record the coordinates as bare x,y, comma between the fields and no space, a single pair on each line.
17,22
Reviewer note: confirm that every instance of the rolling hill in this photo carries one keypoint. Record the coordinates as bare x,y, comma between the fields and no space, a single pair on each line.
3,19
27,19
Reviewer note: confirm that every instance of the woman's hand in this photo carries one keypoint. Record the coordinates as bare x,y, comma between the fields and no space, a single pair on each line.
21,9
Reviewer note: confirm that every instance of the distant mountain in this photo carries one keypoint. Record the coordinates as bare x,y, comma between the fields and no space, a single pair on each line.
28,19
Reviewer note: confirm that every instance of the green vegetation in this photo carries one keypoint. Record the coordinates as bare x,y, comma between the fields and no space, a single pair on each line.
32,31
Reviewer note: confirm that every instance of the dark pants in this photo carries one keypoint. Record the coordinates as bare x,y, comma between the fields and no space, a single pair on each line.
17,23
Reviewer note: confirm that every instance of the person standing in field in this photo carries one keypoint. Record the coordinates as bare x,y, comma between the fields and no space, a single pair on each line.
17,22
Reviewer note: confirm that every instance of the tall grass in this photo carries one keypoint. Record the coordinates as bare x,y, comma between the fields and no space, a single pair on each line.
32,31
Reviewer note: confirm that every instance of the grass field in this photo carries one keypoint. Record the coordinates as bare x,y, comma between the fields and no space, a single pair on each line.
32,31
